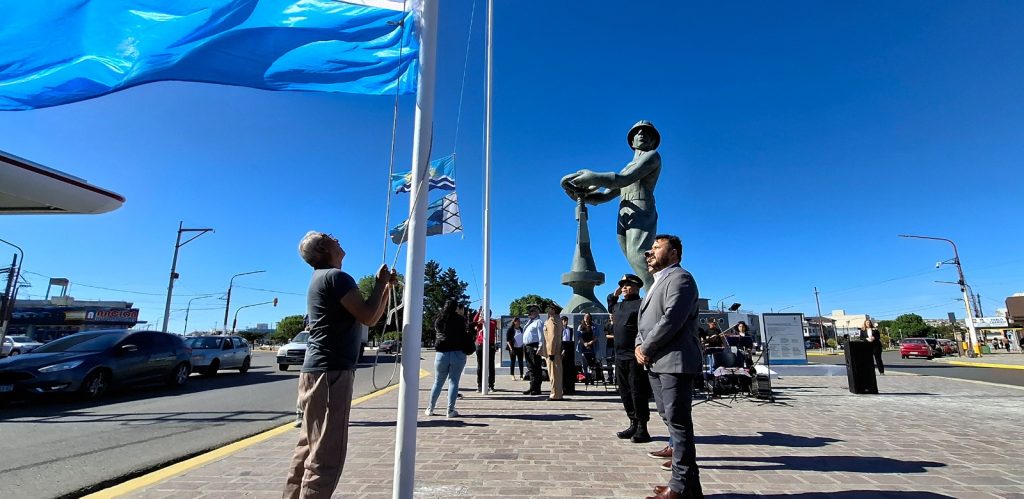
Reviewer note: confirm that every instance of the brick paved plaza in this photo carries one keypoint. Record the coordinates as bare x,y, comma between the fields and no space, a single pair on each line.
922,437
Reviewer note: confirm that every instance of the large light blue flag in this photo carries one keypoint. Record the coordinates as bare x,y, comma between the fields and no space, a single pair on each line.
442,176
55,52
442,218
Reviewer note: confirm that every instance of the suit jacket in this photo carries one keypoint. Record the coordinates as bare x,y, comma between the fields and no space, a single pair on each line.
552,344
668,324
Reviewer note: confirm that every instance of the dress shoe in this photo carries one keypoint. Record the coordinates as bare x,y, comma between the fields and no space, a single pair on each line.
663,492
667,466
528,392
665,453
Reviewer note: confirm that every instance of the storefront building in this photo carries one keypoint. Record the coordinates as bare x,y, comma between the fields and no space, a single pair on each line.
47,320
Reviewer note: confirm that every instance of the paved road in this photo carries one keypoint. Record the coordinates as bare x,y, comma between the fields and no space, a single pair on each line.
925,367
55,448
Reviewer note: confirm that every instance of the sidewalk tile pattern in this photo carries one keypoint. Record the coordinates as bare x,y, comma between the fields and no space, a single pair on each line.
920,438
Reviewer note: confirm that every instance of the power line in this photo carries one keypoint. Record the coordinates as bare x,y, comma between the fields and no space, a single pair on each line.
271,291
144,293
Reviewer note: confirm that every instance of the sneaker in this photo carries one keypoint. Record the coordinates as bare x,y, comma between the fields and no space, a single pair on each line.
429,412
665,453
667,466
453,414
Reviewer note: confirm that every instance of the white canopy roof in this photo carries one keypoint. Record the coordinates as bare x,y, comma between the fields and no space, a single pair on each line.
27,187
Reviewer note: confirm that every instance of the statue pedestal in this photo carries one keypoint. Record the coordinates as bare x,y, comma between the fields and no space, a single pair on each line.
583,283
583,277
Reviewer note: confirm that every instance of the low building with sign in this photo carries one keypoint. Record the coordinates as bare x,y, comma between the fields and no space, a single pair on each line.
47,320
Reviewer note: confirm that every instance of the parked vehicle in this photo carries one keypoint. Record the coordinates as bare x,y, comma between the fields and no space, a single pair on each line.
90,363
388,346
17,345
918,347
947,347
212,353
294,352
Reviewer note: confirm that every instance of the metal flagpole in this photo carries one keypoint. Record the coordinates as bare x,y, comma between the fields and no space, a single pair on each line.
412,297
485,376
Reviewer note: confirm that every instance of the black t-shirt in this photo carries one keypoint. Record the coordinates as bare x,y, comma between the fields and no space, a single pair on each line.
335,338
624,325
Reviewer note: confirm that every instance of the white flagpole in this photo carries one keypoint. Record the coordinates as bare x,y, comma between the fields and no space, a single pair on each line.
412,316
484,376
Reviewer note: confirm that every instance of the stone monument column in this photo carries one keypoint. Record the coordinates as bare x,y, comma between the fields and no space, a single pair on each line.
583,277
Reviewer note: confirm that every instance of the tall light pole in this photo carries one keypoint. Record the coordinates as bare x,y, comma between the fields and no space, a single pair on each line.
234,323
721,303
227,306
972,334
821,326
174,265
11,293
184,330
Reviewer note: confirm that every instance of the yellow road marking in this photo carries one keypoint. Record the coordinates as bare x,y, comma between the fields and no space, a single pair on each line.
214,455
983,364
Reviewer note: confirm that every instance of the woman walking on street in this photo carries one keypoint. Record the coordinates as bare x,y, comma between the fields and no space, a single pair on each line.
514,343
450,359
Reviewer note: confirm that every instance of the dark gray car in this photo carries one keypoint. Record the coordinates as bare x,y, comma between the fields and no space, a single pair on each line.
90,363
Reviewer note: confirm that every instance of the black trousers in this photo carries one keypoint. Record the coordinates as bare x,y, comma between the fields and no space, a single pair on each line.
568,367
878,360
517,354
480,370
634,389
673,393
534,362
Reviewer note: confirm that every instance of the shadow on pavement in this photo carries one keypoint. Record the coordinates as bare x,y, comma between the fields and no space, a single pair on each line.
530,417
851,464
848,494
431,423
766,438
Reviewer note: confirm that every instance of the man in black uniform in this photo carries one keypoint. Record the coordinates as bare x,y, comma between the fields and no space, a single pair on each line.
634,387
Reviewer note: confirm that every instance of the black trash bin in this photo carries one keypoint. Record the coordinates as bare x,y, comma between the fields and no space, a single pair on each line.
860,367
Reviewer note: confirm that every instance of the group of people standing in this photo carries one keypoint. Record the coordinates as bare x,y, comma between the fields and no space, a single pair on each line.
528,348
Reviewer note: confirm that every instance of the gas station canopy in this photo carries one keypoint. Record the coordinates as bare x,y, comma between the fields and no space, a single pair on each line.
30,188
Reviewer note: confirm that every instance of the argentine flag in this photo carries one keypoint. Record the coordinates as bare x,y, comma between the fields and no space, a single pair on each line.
442,176
55,52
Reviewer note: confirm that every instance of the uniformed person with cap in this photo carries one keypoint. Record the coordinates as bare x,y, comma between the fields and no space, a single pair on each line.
634,387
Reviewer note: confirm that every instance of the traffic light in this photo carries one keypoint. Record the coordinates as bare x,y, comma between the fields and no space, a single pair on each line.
275,302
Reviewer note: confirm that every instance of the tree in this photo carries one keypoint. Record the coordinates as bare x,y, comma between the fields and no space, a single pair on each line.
910,326
520,306
253,336
287,328
438,287
377,331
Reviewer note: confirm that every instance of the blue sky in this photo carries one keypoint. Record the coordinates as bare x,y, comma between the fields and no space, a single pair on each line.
798,140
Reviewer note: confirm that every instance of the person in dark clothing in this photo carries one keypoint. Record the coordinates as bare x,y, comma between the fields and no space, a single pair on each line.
633,383
875,338
588,346
450,359
568,358
514,344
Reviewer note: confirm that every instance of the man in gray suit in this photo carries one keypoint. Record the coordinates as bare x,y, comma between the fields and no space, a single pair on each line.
667,345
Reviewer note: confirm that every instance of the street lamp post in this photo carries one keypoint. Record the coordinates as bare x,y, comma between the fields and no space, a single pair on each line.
972,335
184,330
227,306
721,303
11,293
174,265
234,323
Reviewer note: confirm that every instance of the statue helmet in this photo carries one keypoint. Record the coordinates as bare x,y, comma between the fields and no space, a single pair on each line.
647,126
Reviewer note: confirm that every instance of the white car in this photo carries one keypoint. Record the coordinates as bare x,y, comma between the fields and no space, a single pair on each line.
16,345
213,353
293,353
